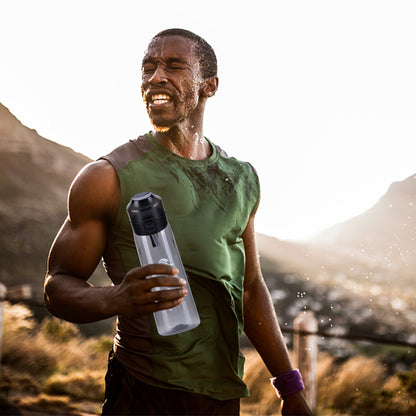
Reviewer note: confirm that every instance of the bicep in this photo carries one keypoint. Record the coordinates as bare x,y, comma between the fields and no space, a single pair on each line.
77,249
92,204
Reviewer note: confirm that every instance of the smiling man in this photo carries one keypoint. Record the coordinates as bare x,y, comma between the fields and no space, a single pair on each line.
210,200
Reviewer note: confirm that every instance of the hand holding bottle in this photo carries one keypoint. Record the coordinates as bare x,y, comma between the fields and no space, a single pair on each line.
136,293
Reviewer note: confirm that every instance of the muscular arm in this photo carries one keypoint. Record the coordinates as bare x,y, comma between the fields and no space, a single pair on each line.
260,321
261,325
78,247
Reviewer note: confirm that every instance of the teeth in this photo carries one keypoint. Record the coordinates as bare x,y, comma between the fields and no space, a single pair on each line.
160,98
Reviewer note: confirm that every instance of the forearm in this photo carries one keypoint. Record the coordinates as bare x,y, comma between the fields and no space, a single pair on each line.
75,300
261,325
262,329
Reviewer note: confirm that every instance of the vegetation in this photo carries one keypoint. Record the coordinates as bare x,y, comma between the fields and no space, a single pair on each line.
356,386
51,367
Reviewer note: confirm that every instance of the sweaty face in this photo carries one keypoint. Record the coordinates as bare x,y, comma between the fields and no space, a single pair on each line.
171,81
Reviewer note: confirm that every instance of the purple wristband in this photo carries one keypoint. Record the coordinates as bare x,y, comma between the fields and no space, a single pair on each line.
288,383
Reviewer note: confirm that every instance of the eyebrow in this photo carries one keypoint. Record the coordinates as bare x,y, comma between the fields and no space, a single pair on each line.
168,60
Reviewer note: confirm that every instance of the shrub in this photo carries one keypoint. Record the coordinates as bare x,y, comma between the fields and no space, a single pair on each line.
80,385
22,348
49,358
104,344
58,330
358,387
408,381
350,380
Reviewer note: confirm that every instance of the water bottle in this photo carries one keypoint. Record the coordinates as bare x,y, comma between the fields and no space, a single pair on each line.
155,243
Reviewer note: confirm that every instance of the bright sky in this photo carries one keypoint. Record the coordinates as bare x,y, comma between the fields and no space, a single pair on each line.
320,96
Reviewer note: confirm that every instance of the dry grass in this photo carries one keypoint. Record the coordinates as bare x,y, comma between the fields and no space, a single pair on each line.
52,368
357,387
263,399
78,385
340,386
45,403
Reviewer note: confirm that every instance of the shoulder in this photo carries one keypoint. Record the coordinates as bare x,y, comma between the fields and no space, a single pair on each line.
238,163
95,192
95,173
242,166
132,150
247,177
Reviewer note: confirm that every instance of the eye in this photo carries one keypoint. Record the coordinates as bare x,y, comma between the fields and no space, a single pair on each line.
175,65
148,68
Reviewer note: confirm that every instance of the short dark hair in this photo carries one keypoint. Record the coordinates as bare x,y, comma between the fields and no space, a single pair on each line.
204,52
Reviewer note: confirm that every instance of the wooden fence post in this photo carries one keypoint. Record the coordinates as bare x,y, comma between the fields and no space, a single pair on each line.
18,293
305,348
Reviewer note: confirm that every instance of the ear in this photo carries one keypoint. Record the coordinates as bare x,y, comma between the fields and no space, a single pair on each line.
209,87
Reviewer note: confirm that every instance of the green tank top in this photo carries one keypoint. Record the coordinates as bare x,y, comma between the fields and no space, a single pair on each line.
208,204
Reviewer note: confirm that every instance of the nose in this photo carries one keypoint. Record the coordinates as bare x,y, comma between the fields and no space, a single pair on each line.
158,76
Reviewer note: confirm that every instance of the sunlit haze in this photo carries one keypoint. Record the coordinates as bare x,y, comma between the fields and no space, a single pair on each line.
318,95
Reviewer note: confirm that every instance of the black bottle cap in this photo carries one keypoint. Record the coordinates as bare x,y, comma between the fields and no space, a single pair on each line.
147,214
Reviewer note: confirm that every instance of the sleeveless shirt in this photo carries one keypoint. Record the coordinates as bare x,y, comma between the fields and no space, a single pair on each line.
208,204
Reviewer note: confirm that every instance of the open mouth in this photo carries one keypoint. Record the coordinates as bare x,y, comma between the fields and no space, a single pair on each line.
160,99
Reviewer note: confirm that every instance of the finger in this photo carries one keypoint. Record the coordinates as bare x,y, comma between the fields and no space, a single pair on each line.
160,306
165,282
161,296
168,304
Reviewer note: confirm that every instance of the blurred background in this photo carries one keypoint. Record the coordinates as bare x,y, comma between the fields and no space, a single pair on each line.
318,96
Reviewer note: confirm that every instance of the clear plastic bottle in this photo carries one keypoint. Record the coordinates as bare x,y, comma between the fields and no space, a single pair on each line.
155,243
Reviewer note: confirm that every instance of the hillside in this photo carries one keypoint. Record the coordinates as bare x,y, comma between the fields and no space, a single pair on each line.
385,234
35,174
379,244
354,276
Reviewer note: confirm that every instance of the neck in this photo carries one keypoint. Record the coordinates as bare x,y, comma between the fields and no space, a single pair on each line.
186,141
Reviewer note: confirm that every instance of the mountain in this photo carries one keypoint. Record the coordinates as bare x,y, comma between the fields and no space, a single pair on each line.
355,276
381,241
35,175
385,234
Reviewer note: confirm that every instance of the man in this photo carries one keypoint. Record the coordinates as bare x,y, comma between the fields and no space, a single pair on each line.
210,201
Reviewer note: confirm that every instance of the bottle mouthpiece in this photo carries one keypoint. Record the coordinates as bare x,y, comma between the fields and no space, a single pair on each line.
147,214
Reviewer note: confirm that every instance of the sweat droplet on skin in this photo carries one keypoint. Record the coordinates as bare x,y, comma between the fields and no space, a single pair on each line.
197,138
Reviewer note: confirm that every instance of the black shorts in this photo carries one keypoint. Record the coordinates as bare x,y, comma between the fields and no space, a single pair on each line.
126,395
